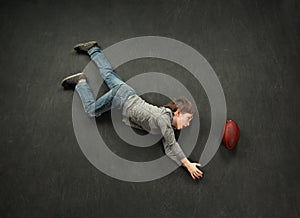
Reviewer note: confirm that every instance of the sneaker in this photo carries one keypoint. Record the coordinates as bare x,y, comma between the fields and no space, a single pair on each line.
71,81
85,46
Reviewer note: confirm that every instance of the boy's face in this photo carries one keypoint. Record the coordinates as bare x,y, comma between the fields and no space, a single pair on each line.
181,120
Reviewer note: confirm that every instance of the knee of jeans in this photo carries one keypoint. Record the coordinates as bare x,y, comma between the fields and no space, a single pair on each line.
90,110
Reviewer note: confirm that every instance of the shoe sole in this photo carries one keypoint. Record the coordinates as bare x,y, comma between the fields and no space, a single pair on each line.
85,44
69,77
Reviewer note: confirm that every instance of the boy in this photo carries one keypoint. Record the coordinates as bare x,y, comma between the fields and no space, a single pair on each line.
138,113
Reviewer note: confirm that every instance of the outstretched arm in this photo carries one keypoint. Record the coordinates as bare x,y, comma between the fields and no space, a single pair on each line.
174,151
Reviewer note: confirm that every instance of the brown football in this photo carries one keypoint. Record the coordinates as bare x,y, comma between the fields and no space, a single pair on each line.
231,134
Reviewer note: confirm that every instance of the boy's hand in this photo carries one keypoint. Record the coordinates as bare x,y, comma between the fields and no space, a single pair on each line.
193,169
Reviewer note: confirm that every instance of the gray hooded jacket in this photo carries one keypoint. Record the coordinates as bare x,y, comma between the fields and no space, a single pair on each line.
155,120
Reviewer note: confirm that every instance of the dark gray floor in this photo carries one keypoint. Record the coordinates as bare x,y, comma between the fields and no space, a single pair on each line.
253,47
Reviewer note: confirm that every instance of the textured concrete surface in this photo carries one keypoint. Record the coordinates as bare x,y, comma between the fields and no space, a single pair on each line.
254,49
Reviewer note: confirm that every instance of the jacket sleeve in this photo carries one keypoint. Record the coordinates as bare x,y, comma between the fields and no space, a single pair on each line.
171,147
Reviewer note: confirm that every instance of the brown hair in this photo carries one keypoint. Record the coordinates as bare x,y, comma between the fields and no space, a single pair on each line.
181,103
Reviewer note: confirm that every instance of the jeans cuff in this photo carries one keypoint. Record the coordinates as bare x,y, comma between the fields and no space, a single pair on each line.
82,83
93,50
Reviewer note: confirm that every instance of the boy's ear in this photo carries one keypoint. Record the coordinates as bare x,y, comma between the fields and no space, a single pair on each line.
177,112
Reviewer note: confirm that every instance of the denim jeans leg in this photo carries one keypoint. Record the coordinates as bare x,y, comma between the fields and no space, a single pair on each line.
104,103
123,92
87,97
92,107
109,76
114,98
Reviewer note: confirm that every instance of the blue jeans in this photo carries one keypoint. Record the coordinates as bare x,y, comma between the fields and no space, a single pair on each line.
114,98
